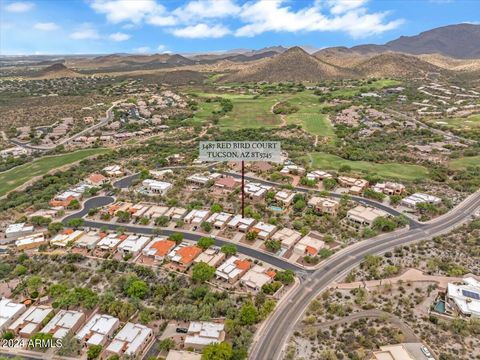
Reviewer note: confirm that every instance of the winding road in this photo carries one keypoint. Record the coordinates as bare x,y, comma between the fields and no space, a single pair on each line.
271,345
278,327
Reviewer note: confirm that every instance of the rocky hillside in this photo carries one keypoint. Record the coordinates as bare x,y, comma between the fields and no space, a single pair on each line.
292,65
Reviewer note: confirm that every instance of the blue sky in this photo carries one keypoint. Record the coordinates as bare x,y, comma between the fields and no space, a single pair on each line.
155,26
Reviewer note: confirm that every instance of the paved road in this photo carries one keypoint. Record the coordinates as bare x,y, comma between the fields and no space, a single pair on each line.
100,201
127,181
281,324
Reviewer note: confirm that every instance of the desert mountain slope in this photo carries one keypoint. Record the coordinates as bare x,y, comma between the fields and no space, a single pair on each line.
293,65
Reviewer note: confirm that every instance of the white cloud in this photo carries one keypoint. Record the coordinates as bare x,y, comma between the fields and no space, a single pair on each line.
160,20
46,26
341,6
86,33
142,50
161,47
19,6
118,36
134,11
271,15
205,9
201,31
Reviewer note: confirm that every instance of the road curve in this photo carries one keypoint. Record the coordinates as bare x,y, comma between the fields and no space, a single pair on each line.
281,324
100,201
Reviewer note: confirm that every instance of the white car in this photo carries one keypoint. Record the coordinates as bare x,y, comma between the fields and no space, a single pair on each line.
426,352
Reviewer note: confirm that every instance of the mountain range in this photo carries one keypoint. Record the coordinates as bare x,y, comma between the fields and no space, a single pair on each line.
444,49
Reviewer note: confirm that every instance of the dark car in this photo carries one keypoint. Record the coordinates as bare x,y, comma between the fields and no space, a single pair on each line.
182,330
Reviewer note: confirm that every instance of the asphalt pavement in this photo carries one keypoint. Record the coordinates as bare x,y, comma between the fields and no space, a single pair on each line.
281,324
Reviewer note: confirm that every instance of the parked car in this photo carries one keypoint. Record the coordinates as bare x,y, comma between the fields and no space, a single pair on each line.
181,330
426,352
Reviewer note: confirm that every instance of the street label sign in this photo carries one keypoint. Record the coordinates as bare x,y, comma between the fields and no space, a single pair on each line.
240,151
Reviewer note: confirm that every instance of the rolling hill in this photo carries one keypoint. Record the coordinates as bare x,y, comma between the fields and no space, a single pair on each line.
56,71
293,65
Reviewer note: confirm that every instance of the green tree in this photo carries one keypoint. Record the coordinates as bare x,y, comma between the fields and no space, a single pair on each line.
202,272
162,221
94,351
138,289
166,344
329,183
273,245
251,235
229,249
248,314
206,226
177,237
216,208
40,220
205,242
217,351
123,216
55,227
74,205
75,223
286,277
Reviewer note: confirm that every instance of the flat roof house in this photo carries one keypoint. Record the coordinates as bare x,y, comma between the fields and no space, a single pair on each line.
110,242
113,170
287,237
256,191
184,254
67,237
201,334
465,297
64,322
131,341
256,277
394,352
19,229
202,179
155,211
361,216
310,244
241,224
232,269
413,200
89,241
156,187
9,312
285,197
324,205
357,186
176,213
219,220
211,257
133,244
158,248
30,321
196,217
263,230
98,330
318,175
31,241
389,188
293,169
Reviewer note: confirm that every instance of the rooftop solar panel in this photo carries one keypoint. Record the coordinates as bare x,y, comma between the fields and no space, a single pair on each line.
471,294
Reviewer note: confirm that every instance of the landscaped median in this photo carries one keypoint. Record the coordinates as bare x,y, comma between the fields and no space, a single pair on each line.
13,178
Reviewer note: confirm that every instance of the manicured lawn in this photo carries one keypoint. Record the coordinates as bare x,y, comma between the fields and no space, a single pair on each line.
463,163
309,115
19,175
326,161
205,111
250,113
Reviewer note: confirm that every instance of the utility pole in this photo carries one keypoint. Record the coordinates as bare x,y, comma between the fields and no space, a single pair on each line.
243,189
